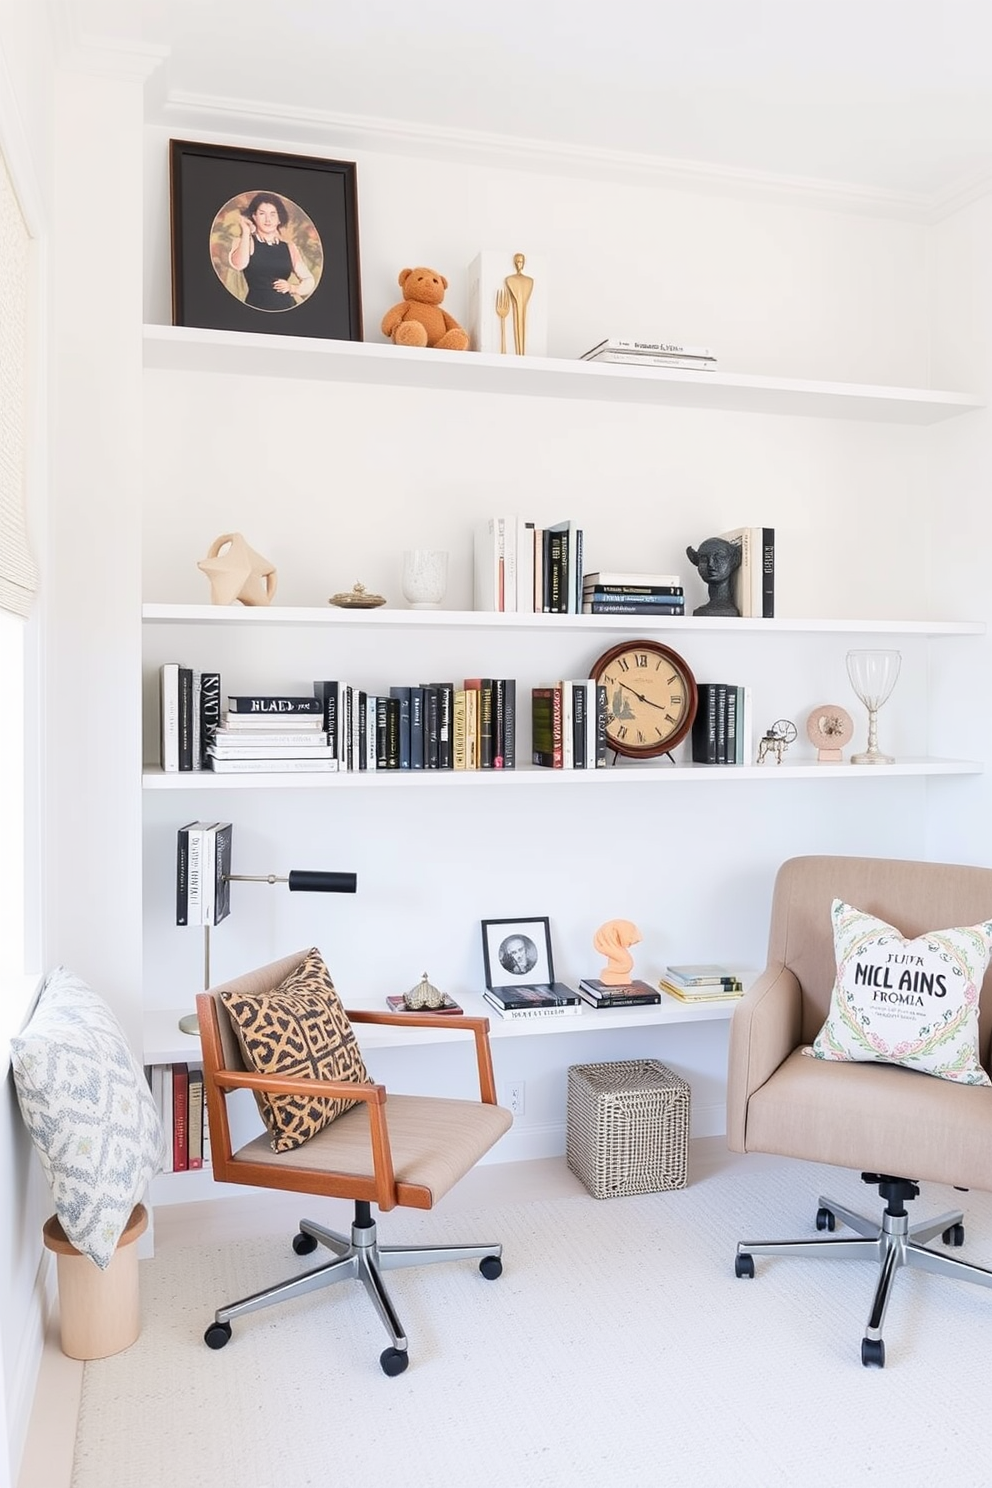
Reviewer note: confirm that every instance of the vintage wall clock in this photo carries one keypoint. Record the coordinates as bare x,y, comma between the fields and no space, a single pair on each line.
651,698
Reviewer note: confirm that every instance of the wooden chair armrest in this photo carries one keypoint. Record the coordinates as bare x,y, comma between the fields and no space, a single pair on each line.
478,1027
371,1093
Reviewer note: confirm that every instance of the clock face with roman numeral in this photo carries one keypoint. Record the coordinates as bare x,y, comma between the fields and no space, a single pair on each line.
650,698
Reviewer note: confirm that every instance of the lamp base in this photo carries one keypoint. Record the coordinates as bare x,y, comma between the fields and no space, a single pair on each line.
872,757
190,1023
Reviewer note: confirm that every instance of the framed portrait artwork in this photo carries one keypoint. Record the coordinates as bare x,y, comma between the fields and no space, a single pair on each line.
263,241
517,952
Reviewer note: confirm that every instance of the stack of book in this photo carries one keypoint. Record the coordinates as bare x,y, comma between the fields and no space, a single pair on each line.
542,1000
203,866
723,728
522,568
270,732
632,353
701,982
632,994
568,725
632,594
753,585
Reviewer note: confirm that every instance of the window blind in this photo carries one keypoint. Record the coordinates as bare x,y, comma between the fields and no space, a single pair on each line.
18,574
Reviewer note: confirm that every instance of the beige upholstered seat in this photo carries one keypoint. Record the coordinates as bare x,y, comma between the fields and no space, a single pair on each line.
386,1150
898,1126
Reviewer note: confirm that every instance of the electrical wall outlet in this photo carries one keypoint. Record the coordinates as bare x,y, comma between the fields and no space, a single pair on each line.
515,1097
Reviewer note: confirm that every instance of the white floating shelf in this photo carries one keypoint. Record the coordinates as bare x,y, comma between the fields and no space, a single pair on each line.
191,349
525,776
164,1044
275,615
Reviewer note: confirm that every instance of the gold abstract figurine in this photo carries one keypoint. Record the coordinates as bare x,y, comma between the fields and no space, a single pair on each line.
520,286
612,940
238,573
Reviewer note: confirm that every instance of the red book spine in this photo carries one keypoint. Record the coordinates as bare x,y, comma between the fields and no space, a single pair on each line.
559,756
180,1118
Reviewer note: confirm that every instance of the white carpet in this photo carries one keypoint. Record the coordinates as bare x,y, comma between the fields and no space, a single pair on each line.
618,1350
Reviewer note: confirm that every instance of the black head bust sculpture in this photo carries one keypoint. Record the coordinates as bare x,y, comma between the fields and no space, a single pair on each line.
717,561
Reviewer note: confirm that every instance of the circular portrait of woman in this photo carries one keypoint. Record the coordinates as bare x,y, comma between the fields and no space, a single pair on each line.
266,251
518,954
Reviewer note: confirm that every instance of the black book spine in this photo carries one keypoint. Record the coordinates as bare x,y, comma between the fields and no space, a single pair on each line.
486,724
510,724
556,572
731,727
417,752
363,738
445,724
185,718
382,733
393,709
721,723
768,573
327,695
273,703
432,726
499,723
578,725
222,869
601,717
209,712
182,875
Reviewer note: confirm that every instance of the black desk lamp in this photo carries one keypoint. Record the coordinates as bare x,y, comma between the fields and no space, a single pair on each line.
300,880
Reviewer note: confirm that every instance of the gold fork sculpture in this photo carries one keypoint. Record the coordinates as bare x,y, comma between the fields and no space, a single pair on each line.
502,310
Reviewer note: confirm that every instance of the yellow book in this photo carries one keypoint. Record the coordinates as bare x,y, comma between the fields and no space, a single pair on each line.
700,994
459,755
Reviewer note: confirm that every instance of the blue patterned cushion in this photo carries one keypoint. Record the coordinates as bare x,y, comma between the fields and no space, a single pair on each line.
90,1113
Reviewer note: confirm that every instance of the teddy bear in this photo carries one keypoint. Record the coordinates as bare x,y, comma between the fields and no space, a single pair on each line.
419,320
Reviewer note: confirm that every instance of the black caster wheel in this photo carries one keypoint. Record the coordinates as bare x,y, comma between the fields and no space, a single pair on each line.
954,1236
873,1353
826,1219
304,1244
744,1264
217,1335
491,1267
394,1360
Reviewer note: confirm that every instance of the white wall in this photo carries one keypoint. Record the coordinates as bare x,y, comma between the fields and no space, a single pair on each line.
331,482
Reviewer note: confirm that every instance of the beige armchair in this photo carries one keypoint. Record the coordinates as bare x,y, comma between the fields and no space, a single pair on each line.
386,1150
900,1127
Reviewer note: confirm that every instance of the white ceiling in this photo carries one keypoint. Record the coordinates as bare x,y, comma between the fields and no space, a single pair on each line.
888,96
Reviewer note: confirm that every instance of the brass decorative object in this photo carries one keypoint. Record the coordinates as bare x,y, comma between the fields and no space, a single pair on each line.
424,996
502,310
776,740
520,287
357,598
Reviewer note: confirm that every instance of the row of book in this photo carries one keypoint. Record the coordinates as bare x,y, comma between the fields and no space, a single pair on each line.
632,594
568,725
431,726
521,568
177,1090
189,712
723,728
203,869
702,982
677,355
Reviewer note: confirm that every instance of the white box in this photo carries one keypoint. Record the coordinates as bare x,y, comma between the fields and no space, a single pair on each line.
487,276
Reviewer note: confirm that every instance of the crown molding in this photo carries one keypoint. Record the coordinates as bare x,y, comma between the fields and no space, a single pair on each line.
944,204
101,56
327,131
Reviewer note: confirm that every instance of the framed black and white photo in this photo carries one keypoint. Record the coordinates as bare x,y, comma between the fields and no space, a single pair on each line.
517,953
263,241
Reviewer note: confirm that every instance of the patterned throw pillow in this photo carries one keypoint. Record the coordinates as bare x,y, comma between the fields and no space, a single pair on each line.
298,1029
90,1113
911,1002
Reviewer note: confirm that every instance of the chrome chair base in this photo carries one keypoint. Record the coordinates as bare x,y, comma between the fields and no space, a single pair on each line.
892,1244
360,1258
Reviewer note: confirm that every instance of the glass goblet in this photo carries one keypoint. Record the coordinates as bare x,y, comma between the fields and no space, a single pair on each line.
873,675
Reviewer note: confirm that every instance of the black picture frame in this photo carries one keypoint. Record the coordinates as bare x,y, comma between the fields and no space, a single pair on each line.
536,968
209,185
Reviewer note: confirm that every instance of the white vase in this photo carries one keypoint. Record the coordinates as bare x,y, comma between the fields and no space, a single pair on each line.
425,578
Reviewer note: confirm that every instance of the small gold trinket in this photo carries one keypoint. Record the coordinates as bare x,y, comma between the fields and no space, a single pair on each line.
357,598
424,995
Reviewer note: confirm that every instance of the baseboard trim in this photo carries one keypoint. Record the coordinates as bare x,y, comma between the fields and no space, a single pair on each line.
28,1362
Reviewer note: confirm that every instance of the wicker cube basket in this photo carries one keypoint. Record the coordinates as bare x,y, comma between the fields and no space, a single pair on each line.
627,1127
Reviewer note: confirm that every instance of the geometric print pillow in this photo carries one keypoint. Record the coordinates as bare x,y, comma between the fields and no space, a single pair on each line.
909,1002
298,1029
87,1105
